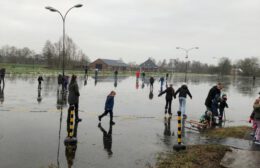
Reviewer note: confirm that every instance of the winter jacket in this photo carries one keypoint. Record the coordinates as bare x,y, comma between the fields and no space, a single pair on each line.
169,93
109,103
183,91
257,111
73,97
212,94
223,104
40,79
151,80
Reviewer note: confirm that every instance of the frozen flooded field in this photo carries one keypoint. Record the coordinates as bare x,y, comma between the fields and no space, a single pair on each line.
33,123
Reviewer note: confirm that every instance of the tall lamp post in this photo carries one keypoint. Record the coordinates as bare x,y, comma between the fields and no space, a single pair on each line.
63,17
187,56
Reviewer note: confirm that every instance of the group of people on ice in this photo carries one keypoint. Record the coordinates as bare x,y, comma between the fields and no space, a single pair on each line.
183,91
215,103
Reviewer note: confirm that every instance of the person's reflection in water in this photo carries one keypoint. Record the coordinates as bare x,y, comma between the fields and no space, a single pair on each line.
183,127
2,97
167,126
151,94
115,83
96,80
85,80
137,83
107,139
39,97
143,84
71,146
167,131
61,99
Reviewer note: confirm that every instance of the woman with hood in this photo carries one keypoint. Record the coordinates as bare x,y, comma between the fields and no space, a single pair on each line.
73,97
183,91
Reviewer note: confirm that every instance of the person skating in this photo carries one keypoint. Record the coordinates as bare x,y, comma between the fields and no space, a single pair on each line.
151,82
116,73
169,94
86,70
73,97
167,76
109,107
40,79
137,74
161,80
183,91
2,76
143,76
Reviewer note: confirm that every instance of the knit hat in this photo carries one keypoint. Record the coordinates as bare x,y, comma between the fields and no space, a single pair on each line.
209,113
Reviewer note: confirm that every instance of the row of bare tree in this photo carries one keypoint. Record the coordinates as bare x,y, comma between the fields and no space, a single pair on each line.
51,56
246,66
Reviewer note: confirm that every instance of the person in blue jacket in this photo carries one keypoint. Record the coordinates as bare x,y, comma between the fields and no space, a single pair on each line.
109,107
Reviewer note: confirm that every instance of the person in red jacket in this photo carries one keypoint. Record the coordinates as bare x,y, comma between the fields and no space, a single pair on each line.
137,74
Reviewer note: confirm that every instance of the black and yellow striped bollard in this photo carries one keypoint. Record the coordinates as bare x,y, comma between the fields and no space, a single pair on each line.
70,139
179,146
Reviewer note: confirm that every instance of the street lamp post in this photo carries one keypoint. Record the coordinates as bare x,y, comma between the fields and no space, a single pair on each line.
63,17
187,56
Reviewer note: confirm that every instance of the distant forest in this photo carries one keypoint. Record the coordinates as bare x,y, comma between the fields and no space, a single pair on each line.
51,57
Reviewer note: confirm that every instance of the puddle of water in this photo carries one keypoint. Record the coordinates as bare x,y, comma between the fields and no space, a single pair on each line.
31,134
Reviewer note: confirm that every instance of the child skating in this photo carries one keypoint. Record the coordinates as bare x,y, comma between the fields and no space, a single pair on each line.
109,107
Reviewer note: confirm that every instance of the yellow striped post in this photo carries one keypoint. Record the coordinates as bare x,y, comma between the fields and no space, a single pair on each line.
71,119
71,139
179,146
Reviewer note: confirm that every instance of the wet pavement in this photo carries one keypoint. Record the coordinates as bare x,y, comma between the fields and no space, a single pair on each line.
33,124
241,158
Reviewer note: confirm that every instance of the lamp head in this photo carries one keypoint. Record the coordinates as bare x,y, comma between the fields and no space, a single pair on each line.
51,9
196,47
177,47
78,5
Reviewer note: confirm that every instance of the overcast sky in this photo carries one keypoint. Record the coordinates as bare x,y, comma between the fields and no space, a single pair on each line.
137,29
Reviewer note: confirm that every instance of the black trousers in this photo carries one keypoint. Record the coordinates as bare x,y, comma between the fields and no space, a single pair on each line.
168,106
106,112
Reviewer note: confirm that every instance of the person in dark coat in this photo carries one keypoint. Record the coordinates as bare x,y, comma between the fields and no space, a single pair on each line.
151,82
215,90
183,91
107,138
40,79
2,75
167,76
109,107
86,70
73,97
2,97
116,73
59,80
169,94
